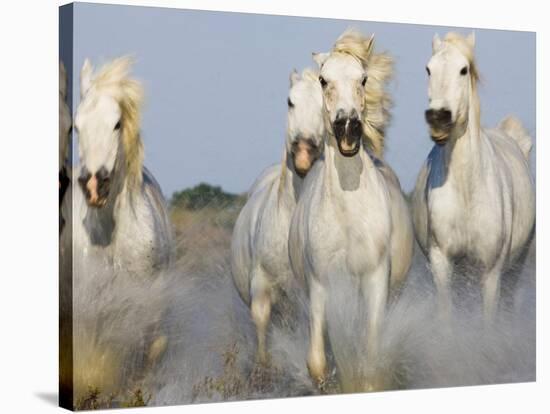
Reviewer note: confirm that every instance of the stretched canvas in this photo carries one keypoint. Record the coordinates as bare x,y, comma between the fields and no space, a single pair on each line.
256,206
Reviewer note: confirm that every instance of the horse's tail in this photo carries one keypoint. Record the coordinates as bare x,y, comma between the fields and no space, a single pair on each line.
513,127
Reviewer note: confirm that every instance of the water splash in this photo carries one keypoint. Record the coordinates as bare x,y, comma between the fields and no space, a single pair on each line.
211,338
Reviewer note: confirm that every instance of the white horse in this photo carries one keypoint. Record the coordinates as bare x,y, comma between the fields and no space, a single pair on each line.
65,123
121,234
351,220
125,214
474,196
259,247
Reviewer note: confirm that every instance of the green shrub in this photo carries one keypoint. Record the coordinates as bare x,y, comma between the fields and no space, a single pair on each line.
201,196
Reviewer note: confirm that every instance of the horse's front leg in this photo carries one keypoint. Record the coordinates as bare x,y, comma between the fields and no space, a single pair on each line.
261,310
491,292
316,359
442,270
375,288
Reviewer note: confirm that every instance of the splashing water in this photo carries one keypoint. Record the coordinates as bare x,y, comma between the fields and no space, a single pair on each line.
211,338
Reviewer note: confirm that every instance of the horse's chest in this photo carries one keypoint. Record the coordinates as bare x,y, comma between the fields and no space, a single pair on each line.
354,229
134,248
447,213
464,224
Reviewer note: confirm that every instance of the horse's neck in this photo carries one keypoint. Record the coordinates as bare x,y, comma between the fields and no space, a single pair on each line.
464,157
290,184
102,223
346,172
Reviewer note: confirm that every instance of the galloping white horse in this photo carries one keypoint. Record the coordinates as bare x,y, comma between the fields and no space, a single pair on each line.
121,234
352,219
125,215
474,196
259,247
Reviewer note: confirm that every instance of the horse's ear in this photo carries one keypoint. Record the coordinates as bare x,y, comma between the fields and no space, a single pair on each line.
370,44
294,77
320,58
86,77
471,39
436,43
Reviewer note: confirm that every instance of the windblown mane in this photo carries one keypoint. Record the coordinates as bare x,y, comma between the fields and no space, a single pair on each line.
376,115
310,74
113,78
461,43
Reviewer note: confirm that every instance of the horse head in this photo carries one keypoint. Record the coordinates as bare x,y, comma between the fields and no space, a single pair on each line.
305,127
452,80
355,106
107,122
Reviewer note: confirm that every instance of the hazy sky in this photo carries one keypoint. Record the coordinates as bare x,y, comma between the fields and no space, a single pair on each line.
216,84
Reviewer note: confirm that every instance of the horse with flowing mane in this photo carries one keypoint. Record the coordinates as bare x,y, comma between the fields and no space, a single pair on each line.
474,197
125,213
259,246
352,221
121,235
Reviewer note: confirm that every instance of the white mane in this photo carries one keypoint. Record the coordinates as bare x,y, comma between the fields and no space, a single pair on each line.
376,115
114,79
466,48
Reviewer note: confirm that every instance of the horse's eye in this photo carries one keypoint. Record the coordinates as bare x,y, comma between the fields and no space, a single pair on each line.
428,70
364,81
289,102
70,130
464,70
323,81
117,126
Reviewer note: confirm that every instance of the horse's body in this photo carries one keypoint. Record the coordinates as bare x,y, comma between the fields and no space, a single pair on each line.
351,221
259,246
474,197
121,236
134,236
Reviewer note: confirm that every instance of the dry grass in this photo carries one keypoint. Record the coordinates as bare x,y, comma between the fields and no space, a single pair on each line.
232,384
94,400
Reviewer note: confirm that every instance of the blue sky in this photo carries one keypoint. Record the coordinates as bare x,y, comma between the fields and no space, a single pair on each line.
216,84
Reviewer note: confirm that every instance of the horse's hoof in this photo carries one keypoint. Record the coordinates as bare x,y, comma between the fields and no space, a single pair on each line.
322,385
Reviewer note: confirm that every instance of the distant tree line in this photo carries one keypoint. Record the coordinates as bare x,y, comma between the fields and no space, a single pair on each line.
203,195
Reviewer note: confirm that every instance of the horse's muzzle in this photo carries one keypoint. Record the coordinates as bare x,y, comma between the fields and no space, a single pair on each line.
348,133
304,154
96,186
440,122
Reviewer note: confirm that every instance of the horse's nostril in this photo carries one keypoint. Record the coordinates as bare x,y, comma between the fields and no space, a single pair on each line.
102,174
446,115
340,116
339,127
355,127
84,177
438,116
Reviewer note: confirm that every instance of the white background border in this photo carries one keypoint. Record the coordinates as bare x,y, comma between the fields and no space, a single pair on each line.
29,201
